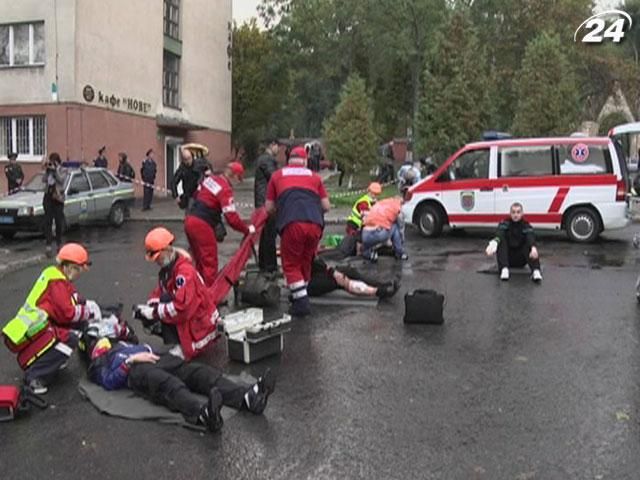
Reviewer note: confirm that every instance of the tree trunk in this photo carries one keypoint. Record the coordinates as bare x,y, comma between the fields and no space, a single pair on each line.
350,184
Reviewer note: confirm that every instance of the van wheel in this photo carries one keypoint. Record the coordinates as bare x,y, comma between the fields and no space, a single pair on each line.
9,234
429,221
117,215
583,225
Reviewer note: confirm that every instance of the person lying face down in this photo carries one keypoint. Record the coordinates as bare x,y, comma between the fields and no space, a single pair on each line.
167,380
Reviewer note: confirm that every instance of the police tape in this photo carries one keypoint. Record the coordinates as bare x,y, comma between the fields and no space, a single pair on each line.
167,191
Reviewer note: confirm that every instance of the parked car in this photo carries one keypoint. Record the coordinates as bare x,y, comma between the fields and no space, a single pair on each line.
91,194
579,185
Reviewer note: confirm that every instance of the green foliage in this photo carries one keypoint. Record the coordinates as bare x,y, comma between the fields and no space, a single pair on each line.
455,105
349,135
257,87
609,121
547,91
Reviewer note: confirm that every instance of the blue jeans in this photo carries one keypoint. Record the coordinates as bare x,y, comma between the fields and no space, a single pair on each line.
372,238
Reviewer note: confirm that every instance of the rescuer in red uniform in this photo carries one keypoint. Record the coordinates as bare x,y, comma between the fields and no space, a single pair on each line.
299,198
203,224
180,301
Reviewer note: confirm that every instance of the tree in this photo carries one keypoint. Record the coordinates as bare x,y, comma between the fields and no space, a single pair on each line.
349,133
257,87
547,91
454,107
609,121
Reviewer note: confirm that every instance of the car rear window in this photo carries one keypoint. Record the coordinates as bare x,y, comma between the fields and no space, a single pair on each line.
98,181
583,159
525,161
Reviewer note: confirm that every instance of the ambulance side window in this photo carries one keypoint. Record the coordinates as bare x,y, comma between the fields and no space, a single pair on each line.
582,159
470,165
525,161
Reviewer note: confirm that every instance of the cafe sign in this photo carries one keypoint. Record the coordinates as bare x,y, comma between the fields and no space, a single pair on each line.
111,100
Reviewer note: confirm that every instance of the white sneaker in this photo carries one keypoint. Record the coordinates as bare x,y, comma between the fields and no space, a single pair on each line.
504,274
536,276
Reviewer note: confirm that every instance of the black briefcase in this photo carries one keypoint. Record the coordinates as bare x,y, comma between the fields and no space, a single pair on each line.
424,306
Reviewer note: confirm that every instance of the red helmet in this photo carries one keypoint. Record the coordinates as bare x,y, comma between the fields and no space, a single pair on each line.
298,156
157,240
74,253
237,169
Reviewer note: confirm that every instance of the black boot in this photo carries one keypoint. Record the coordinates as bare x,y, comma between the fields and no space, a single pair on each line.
300,307
210,415
257,396
388,289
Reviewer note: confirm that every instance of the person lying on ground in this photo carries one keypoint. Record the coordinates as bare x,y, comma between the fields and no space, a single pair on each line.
325,279
167,380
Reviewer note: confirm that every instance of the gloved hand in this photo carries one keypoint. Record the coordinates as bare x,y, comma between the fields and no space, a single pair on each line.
252,229
94,310
492,248
146,312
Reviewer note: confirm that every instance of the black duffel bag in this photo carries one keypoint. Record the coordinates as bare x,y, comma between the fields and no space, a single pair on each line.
423,306
258,290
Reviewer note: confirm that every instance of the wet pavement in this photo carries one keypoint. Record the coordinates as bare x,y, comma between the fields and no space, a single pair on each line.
521,382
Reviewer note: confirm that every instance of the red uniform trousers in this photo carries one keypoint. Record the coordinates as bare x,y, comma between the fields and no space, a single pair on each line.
204,247
298,247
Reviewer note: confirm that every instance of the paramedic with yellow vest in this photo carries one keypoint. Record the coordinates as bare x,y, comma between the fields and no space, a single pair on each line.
361,207
46,329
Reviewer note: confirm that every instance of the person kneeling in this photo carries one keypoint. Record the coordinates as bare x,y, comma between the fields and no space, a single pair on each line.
384,223
167,380
515,246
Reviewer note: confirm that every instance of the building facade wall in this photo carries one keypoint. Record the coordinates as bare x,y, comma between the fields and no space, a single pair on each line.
32,84
110,79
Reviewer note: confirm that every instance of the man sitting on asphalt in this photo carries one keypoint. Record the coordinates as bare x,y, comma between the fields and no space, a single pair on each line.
169,381
515,245
382,224
326,279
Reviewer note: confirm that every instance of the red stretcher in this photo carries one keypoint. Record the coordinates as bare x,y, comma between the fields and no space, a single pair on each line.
230,273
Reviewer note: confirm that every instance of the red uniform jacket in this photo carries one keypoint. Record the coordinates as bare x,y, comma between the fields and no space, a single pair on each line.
216,193
63,305
190,307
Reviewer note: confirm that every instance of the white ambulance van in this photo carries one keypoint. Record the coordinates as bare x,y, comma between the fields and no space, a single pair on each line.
576,184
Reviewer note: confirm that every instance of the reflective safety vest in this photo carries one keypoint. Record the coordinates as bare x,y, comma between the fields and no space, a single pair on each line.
356,217
30,319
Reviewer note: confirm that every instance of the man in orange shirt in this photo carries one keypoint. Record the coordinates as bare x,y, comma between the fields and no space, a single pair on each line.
381,224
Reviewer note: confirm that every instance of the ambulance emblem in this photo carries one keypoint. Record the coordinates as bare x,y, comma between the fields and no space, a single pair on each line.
467,201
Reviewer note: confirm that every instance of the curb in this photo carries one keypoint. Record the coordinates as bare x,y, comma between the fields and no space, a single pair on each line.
20,264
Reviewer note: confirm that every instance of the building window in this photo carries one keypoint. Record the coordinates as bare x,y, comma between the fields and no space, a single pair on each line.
22,44
24,135
171,80
172,18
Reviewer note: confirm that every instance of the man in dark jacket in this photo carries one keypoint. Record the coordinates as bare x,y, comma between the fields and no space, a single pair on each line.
14,174
265,166
101,160
148,174
189,173
167,380
125,170
515,244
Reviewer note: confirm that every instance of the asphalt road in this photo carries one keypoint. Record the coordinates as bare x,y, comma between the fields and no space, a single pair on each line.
522,381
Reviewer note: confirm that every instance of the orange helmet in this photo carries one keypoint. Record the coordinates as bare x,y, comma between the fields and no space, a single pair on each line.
157,240
375,188
74,253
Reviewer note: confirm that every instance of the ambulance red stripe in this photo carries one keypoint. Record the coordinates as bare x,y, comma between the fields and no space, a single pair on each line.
518,182
558,199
